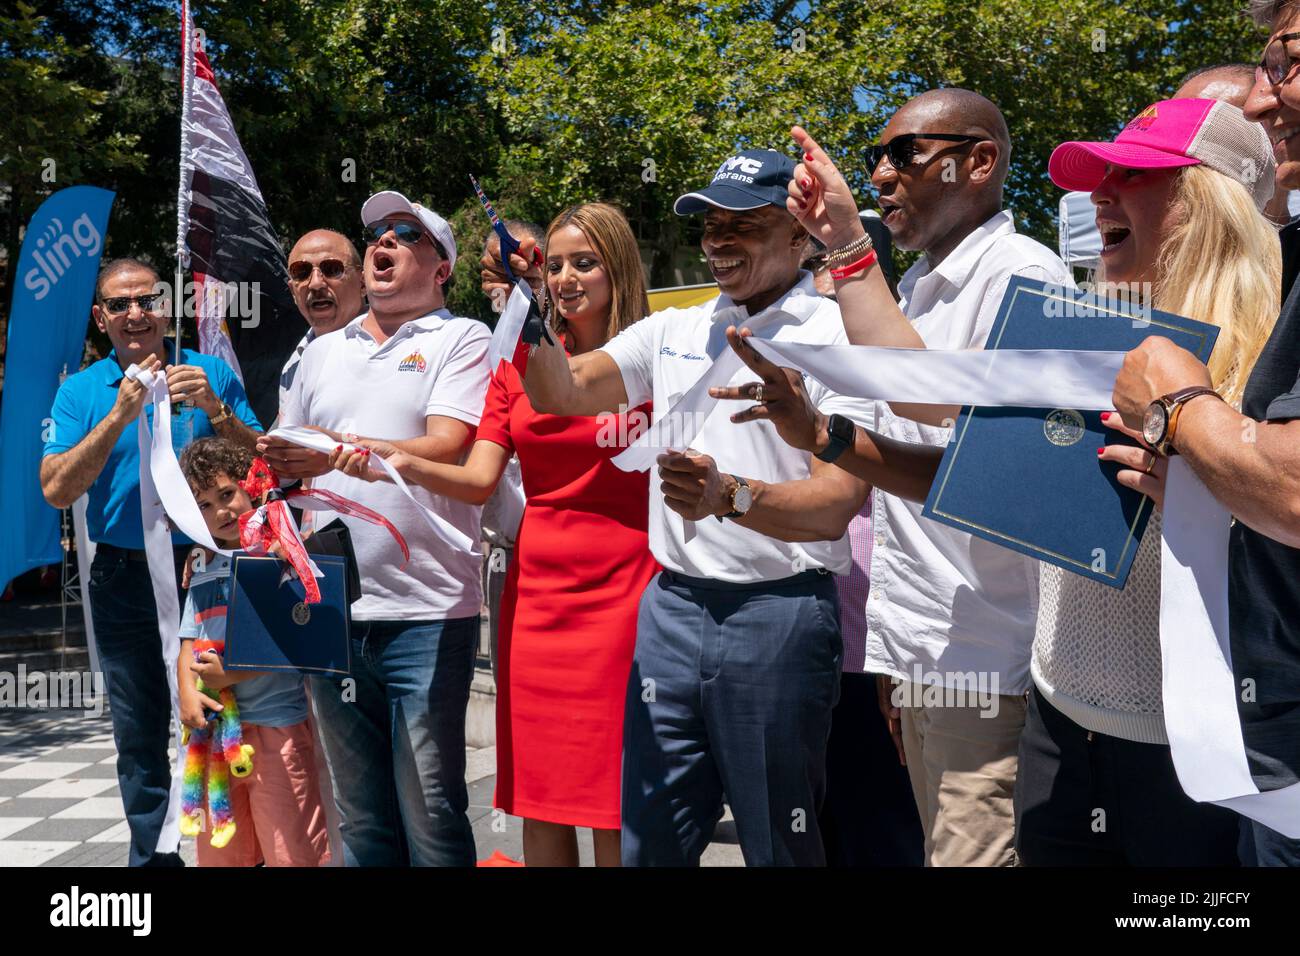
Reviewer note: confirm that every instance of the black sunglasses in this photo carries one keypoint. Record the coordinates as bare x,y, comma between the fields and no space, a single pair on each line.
407,232
122,303
1276,63
301,270
902,149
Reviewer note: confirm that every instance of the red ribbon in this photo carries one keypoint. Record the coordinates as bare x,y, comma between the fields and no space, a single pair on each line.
351,508
260,479
272,523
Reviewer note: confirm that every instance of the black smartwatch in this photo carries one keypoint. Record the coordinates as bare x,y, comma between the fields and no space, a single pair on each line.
840,431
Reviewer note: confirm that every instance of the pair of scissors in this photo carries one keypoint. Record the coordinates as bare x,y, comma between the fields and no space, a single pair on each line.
535,325
509,244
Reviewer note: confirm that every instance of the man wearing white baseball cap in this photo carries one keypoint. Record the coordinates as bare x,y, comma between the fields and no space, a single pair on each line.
394,733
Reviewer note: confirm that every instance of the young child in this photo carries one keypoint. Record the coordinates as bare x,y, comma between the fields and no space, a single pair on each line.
277,808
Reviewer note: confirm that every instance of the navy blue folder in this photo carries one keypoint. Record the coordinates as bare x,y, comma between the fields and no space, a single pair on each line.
1029,479
269,627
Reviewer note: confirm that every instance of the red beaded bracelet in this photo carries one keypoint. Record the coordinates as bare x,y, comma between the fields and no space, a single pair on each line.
853,268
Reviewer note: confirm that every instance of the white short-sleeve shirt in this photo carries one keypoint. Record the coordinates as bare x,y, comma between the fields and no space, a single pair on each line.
347,382
943,602
660,358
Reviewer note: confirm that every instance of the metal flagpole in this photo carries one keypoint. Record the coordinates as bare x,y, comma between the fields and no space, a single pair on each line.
182,189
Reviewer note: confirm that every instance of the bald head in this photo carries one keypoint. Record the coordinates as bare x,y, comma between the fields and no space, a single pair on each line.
328,238
1230,82
326,301
935,192
954,110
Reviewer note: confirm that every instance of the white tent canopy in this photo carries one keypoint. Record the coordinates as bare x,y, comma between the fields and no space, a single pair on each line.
1080,241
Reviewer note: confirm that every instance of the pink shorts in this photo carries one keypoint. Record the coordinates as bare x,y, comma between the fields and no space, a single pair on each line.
278,814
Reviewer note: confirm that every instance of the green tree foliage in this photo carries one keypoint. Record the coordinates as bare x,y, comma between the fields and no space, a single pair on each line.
641,104
558,102
50,133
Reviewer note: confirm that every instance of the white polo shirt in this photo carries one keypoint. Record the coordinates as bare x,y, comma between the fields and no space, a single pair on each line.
347,382
942,600
660,358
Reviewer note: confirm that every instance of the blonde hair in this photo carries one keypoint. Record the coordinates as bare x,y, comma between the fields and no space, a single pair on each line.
607,229
1222,263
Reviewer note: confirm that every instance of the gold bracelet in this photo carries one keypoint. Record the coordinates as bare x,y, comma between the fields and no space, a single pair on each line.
853,251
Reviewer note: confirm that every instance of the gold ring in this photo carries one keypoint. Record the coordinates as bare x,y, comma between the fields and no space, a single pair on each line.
1147,470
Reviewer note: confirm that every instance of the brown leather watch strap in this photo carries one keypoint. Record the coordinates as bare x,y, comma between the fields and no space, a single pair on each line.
1175,402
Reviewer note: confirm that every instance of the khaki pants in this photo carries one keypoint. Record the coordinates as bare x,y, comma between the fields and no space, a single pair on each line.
963,771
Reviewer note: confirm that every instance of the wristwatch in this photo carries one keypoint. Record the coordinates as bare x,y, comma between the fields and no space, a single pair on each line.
840,430
226,412
1160,422
742,499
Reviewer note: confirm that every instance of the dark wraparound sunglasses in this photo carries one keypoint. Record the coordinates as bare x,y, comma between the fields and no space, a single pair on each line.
147,303
407,232
902,149
301,270
1277,64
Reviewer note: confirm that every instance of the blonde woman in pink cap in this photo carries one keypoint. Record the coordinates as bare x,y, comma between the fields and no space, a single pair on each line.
1179,194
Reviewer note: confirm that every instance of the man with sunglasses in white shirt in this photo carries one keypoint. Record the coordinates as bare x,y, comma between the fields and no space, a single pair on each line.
325,279
410,372
945,609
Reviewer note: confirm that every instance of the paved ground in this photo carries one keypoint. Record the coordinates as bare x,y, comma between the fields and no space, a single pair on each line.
60,806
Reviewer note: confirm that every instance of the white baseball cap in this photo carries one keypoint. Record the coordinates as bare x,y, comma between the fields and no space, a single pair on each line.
384,204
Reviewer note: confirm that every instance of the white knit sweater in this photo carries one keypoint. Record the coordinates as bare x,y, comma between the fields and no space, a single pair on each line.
1097,650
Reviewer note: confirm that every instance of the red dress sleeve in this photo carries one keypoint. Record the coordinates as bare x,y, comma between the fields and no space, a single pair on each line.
494,425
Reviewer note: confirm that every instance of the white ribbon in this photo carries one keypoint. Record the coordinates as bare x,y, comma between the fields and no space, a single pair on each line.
1199,688
158,495
1029,379
505,337
319,441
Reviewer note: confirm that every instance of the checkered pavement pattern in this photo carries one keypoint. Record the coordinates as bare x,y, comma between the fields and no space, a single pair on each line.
59,801
60,804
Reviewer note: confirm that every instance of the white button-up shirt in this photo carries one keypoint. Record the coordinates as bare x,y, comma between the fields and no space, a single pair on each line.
943,602
349,382
660,358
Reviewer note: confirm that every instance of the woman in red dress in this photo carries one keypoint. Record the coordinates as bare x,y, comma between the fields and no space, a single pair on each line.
568,616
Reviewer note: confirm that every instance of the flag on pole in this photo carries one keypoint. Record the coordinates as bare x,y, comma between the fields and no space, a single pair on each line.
245,313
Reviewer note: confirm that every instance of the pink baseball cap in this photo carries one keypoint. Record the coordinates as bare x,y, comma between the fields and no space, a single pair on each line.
1170,134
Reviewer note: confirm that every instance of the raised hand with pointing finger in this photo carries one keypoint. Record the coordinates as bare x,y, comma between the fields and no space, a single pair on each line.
820,198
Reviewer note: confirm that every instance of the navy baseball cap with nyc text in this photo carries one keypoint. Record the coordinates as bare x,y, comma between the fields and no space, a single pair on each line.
748,180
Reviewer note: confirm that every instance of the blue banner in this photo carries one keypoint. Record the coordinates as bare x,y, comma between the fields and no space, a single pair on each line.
53,291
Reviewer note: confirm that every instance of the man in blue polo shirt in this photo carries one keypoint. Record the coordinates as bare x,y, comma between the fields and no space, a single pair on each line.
93,448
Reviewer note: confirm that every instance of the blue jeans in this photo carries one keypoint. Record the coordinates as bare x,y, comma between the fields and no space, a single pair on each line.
139,700
731,693
395,743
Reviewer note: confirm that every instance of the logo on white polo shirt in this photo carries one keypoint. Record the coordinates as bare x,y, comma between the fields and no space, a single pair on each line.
413,363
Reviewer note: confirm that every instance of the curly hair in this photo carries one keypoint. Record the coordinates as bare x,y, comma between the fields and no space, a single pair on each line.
204,459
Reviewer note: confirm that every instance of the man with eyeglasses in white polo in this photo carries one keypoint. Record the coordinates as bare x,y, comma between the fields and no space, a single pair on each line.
325,280
409,371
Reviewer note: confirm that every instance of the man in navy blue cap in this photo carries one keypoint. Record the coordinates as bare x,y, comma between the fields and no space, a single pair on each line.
738,643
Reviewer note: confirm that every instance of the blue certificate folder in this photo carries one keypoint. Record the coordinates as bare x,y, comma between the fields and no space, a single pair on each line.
269,627
1029,478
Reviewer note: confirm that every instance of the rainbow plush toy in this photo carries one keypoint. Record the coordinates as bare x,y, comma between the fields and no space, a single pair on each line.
219,749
